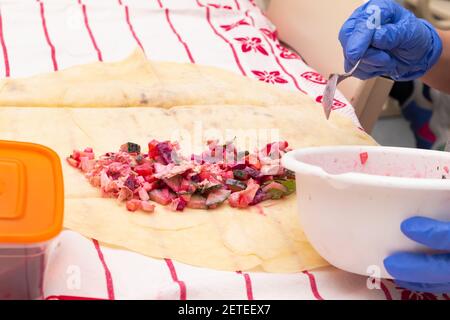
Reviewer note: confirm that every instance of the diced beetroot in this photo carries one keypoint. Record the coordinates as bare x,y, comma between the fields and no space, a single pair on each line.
235,185
76,155
167,178
253,161
253,173
174,183
263,179
275,190
241,175
165,151
111,187
95,180
217,197
204,174
152,150
274,185
144,169
187,186
133,205
150,179
197,202
160,196
186,196
148,186
89,155
131,183
160,168
243,198
143,194
71,161
260,196
196,178
147,206
140,180
181,204
125,194
130,147
238,166
178,204
227,175
86,164
104,180
207,186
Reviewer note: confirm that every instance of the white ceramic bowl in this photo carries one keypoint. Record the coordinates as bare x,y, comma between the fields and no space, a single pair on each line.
352,200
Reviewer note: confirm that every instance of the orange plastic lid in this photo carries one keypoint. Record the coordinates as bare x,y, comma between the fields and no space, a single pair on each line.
31,193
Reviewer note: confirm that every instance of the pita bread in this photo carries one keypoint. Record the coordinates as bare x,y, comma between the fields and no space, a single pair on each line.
84,109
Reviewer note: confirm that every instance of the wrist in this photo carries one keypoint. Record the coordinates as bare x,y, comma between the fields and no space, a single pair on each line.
436,46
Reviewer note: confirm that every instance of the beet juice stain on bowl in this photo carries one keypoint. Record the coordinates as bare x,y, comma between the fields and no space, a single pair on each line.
31,215
353,199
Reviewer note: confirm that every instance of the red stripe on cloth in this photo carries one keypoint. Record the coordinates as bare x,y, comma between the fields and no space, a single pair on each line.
179,37
130,26
160,4
47,37
385,290
248,285
64,297
313,284
208,17
277,60
173,274
109,281
88,28
5,51
238,7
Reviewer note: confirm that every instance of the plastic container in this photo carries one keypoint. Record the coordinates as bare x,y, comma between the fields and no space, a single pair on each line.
31,215
352,200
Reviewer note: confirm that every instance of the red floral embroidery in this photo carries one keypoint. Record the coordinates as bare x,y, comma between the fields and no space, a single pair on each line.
269,77
254,44
228,27
413,295
272,35
336,103
286,53
314,77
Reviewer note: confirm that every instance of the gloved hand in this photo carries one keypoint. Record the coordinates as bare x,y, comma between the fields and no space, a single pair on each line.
419,271
403,47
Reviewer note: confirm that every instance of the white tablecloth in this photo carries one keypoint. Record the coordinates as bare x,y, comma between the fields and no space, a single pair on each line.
42,36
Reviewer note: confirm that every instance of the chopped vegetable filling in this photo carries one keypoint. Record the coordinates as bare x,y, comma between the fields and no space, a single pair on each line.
203,181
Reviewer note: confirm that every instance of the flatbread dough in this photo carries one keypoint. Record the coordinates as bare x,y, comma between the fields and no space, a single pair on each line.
266,238
137,81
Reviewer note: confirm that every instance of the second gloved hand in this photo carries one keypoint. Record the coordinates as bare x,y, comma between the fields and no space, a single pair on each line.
420,271
401,46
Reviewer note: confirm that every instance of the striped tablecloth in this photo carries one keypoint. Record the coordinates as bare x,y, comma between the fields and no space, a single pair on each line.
42,36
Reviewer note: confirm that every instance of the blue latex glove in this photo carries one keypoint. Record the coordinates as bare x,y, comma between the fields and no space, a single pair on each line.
418,271
403,47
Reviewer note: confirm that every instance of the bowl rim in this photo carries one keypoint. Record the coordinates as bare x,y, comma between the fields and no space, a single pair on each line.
290,162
